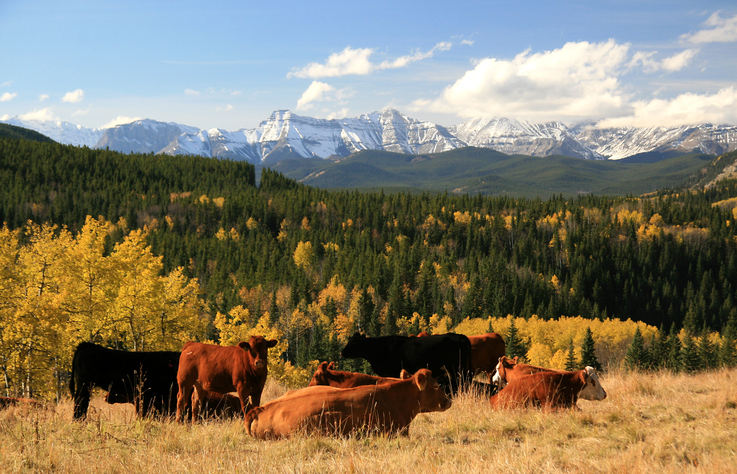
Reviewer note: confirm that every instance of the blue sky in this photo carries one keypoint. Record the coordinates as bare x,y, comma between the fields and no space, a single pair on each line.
230,64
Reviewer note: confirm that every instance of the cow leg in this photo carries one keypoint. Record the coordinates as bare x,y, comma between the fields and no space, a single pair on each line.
244,397
81,401
184,399
197,405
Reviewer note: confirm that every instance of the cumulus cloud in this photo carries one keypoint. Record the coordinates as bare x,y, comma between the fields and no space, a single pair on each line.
191,92
321,92
43,97
42,115
671,64
683,109
74,96
7,97
357,62
224,108
340,114
718,30
577,81
120,120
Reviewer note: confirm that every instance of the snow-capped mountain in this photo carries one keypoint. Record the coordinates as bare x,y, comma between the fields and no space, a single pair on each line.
514,137
287,135
61,132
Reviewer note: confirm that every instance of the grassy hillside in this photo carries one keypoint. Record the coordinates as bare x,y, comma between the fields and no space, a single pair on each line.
488,172
648,423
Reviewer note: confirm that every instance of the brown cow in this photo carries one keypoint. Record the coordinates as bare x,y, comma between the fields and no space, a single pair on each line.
508,370
327,375
218,405
6,402
548,390
387,408
242,368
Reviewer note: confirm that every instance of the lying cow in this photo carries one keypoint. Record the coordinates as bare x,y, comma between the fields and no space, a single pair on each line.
387,408
6,402
508,370
327,375
217,405
549,390
208,367
446,355
146,379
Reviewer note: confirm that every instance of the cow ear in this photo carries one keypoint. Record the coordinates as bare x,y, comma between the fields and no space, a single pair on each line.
421,380
272,343
330,365
515,359
244,345
404,375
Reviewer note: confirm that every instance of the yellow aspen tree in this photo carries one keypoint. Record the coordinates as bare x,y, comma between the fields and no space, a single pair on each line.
179,310
9,282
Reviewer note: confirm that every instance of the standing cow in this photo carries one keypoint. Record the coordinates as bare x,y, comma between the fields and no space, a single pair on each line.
146,379
387,408
446,355
211,368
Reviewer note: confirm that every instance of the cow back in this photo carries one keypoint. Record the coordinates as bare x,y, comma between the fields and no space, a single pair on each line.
542,389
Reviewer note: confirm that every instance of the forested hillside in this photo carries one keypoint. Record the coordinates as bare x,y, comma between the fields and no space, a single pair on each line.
315,265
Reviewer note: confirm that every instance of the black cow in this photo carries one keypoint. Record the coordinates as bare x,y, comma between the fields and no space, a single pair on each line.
446,355
146,379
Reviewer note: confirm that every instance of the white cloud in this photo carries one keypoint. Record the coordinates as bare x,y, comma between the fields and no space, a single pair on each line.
341,114
577,81
7,96
317,92
224,108
120,120
42,115
5,117
356,61
721,30
5,84
43,97
191,92
673,63
687,108
467,42
74,96
80,112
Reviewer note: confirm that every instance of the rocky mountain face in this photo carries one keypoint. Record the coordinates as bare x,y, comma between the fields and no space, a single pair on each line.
287,135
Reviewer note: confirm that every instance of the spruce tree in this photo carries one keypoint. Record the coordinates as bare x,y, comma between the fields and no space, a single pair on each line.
588,352
637,356
673,359
689,356
515,345
706,351
571,362
727,348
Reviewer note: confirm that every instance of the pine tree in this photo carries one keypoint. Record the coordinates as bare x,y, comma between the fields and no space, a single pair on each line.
727,348
515,346
689,356
659,350
706,351
637,356
673,359
588,352
571,362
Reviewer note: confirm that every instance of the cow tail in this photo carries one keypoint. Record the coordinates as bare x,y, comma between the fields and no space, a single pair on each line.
71,379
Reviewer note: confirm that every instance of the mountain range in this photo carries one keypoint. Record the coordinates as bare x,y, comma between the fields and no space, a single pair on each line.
286,135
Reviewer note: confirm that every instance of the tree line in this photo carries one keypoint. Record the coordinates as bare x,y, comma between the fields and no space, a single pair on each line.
323,263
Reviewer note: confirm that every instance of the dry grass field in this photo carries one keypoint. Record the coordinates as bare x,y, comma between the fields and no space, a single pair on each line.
649,423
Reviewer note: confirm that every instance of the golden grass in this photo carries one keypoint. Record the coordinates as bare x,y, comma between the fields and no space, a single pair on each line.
650,423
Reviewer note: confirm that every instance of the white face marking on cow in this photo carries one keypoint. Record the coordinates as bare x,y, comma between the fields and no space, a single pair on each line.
593,389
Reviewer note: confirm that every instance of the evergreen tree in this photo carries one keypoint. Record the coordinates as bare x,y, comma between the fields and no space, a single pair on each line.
673,360
571,361
705,349
515,345
659,350
637,356
689,357
588,352
728,346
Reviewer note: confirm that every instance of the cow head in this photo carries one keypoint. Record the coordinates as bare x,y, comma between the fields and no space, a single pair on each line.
432,397
320,376
500,374
354,347
118,392
257,348
592,389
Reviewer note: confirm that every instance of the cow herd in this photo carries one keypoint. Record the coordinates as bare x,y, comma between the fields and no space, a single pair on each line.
415,374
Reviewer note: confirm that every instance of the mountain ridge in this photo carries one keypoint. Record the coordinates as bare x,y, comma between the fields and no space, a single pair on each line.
285,135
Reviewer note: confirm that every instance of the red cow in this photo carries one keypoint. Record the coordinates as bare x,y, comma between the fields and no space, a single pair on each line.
508,370
486,349
548,390
327,375
6,402
387,408
208,367
218,405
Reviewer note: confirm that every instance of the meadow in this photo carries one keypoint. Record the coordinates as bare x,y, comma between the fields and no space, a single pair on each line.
649,422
